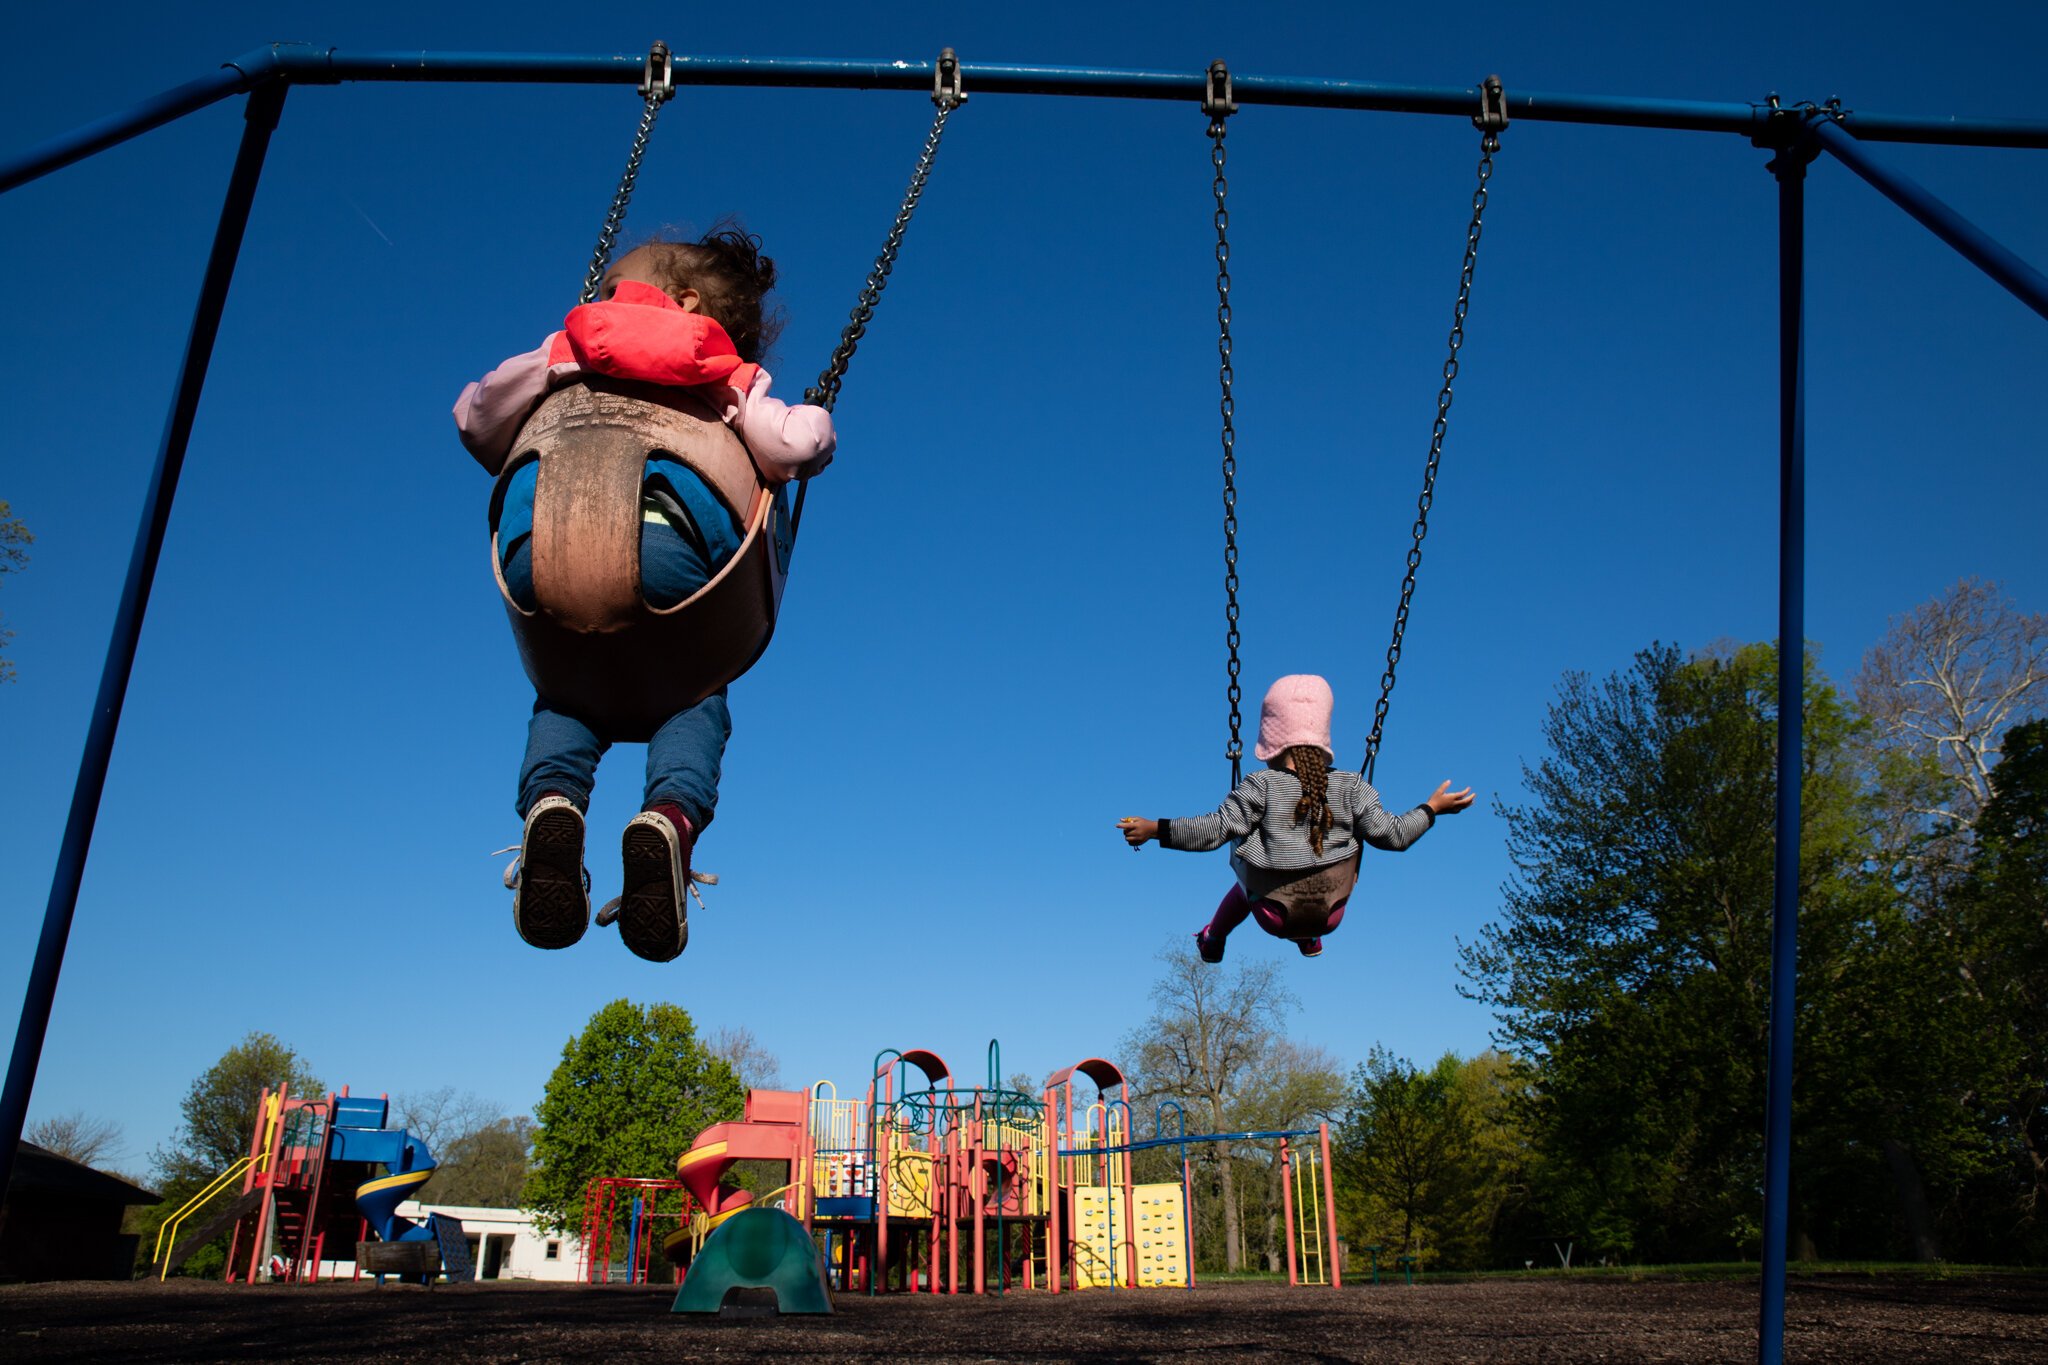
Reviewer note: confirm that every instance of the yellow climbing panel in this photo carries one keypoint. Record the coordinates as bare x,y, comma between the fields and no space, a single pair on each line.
1152,1218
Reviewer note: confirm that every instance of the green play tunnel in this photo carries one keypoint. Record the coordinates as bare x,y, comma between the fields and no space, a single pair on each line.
757,1249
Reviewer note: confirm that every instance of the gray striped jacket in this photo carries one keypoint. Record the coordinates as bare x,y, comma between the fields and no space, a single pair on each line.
1258,821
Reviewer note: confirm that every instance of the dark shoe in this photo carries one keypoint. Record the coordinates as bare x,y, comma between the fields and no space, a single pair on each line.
550,891
654,916
1310,947
1210,948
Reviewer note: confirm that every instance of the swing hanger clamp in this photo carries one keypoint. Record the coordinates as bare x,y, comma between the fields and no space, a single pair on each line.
1217,102
1493,108
658,74
949,91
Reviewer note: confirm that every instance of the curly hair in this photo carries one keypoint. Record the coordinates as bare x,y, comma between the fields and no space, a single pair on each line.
732,279
1312,769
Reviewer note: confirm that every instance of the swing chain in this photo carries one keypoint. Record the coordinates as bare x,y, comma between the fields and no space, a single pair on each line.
1490,120
1218,105
657,86
949,92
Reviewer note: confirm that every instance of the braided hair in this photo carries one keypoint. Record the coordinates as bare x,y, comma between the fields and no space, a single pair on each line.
1312,769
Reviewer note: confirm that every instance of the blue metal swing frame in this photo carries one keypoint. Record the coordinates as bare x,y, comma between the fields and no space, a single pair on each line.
1795,134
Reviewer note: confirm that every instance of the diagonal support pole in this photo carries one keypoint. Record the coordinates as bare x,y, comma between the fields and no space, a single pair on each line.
265,103
2027,284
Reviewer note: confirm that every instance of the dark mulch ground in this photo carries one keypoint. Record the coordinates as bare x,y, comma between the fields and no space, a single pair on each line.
1865,1320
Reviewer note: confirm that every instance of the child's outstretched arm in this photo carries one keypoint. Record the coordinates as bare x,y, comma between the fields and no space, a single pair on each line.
1237,817
490,411
787,442
1393,833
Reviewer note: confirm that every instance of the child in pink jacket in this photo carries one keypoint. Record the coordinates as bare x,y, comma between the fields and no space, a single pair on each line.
688,314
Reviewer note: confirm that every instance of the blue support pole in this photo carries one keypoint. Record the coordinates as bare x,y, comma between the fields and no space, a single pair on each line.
633,1245
97,136
1789,165
265,103
2029,285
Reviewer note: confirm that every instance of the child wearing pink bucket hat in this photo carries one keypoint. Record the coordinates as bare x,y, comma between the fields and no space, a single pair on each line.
1295,827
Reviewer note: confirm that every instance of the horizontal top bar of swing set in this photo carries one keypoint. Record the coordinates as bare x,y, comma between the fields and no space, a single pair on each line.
311,65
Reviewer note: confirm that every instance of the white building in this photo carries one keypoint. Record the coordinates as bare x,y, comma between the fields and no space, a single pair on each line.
506,1244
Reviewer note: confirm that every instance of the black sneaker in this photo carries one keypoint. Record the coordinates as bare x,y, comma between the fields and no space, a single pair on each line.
1210,949
654,914
550,890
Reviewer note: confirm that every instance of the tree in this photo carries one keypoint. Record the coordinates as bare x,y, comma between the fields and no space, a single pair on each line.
14,540
443,1117
1404,1136
218,1118
1630,970
1208,1032
756,1067
218,1112
631,1092
1942,686
88,1141
1999,916
481,1150
486,1166
1294,1087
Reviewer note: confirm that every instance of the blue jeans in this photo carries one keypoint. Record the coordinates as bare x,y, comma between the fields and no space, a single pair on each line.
684,756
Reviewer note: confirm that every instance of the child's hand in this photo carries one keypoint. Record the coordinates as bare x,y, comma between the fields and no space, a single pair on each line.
1137,831
1444,801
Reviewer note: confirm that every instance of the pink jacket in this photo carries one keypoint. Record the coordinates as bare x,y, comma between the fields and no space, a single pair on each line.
641,333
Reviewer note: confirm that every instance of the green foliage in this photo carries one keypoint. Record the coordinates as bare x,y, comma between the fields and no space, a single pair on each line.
1428,1160
1630,971
218,1120
631,1091
1997,918
485,1167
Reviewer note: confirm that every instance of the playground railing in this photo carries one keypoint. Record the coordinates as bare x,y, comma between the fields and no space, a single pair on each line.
167,1234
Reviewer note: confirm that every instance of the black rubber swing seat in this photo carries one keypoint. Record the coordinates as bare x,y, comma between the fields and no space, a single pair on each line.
593,646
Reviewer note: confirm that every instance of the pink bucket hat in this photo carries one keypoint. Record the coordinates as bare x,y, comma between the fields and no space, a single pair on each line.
1296,711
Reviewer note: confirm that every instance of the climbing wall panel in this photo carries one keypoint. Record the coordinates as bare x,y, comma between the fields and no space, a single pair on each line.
1159,1229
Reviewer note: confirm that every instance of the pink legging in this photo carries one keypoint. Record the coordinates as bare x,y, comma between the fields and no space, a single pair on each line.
1236,907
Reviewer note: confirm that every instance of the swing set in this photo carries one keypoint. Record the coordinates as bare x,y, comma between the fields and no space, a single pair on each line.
592,637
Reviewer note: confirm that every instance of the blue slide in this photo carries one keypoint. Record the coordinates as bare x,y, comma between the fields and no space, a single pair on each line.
359,1134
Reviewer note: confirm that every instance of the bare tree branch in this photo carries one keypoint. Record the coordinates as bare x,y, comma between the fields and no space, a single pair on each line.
756,1067
86,1140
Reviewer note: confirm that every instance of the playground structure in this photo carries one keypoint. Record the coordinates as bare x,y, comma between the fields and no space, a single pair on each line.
307,1181
609,1202
1794,133
924,1184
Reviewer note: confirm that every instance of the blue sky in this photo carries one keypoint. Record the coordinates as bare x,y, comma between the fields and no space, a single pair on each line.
1004,629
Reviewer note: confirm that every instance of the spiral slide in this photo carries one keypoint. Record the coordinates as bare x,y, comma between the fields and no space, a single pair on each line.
771,1131
359,1134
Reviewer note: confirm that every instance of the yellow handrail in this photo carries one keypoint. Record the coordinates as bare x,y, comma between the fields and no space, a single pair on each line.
167,1233
273,1112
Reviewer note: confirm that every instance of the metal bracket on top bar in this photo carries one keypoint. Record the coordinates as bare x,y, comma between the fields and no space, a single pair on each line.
1788,131
948,89
1217,102
1493,106
658,75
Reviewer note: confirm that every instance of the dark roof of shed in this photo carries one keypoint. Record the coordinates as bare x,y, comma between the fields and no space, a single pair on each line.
39,1168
